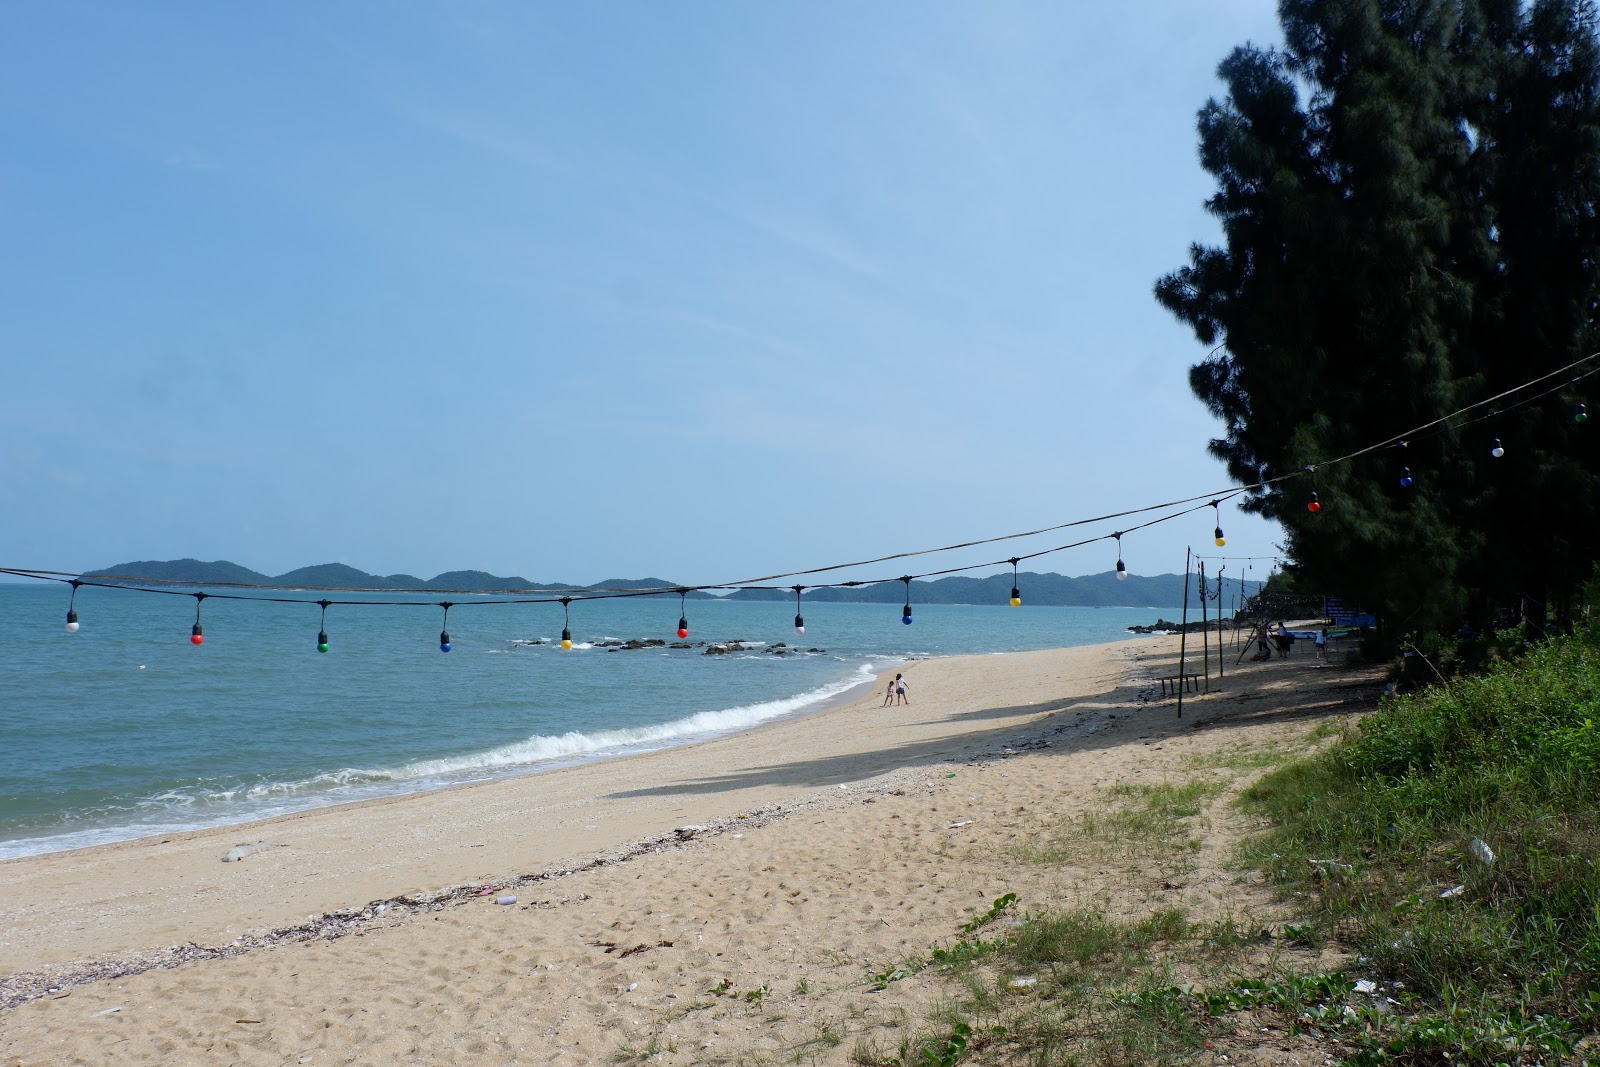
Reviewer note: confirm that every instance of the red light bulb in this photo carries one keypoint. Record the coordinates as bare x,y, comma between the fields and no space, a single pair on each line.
1312,505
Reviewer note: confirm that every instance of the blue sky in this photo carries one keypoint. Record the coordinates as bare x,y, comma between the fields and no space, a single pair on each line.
701,291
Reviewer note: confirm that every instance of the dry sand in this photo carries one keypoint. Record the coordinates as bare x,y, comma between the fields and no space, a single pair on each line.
719,902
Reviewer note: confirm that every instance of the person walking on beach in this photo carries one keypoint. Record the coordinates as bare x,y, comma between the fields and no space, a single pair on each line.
1322,644
888,692
900,689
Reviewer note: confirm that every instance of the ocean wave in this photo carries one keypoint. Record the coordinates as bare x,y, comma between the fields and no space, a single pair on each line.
202,805
577,745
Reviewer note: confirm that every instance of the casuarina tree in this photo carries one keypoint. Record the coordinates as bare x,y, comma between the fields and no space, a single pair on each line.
1409,197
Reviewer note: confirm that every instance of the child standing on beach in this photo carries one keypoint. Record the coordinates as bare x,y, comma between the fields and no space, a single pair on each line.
900,689
888,692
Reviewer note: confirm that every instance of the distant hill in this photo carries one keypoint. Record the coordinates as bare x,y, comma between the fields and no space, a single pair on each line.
1048,590
479,580
343,576
186,570
648,583
1094,590
333,574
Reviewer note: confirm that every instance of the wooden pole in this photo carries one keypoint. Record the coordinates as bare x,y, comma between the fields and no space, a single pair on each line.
1205,631
1183,630
1221,600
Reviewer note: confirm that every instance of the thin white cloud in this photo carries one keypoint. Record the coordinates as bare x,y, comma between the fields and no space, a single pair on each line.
731,329
496,139
816,239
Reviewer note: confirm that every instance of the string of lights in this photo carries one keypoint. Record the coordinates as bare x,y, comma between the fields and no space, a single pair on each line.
1569,376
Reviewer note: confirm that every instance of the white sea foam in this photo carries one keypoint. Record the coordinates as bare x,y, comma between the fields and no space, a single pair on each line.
576,746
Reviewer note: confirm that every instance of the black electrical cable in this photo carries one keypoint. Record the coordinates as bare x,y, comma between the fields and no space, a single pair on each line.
1436,425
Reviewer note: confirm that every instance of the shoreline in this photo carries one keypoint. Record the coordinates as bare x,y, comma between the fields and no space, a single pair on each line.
128,833
139,896
788,922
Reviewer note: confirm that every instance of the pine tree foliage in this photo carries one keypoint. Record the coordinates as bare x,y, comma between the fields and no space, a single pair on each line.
1409,197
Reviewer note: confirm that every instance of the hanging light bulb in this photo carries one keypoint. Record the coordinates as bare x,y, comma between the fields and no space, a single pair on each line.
1580,414
196,636
799,621
1312,504
1122,572
322,634
905,612
72,614
1016,594
1216,535
1496,449
72,621
444,634
566,624
683,615
1405,472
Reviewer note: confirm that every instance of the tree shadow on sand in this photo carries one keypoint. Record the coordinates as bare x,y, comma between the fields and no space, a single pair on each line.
1284,692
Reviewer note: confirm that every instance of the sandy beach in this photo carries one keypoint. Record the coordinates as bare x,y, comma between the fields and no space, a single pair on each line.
700,904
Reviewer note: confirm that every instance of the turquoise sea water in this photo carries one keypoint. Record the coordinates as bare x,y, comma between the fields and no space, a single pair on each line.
125,729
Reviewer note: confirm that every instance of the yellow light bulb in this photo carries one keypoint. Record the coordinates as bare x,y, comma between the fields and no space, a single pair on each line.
1016,602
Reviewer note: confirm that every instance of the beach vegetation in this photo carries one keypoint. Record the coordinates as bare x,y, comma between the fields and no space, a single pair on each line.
1134,822
1451,843
1400,240
650,1050
830,1034
1237,758
866,1052
1001,904
882,979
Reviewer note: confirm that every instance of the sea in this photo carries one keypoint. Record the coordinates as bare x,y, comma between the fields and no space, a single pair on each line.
125,729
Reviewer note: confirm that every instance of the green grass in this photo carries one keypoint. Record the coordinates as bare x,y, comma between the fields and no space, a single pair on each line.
1237,758
1147,821
1057,990
1506,967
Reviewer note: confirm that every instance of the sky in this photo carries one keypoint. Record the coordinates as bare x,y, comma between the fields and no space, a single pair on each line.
699,291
